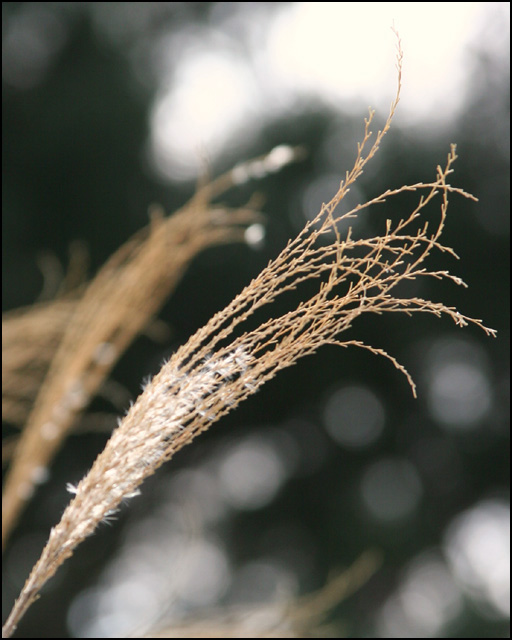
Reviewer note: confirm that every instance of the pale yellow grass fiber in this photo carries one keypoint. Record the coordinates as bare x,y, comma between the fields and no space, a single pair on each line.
226,361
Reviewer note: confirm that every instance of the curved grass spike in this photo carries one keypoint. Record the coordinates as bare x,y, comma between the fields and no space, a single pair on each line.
214,371
95,330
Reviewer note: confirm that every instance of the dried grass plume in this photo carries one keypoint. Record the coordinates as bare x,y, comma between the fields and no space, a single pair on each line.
226,361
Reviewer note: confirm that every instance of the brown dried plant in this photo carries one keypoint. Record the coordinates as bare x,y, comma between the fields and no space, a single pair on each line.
73,342
226,361
30,337
302,617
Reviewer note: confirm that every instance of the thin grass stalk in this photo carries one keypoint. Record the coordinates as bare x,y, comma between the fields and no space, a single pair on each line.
221,365
92,333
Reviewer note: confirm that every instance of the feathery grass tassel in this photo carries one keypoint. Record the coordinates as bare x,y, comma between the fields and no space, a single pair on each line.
213,372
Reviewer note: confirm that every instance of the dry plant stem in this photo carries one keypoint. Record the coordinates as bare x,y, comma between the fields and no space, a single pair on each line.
30,337
285,618
214,371
116,306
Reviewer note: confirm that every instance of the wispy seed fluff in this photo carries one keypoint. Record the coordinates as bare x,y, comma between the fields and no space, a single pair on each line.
206,377
214,371
177,404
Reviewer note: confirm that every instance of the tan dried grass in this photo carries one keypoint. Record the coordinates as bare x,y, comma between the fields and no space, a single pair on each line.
67,347
222,364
